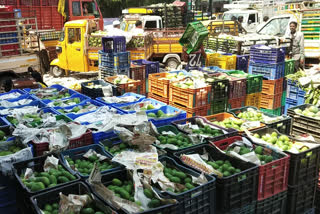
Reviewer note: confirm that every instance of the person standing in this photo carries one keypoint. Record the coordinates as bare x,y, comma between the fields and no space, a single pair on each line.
296,46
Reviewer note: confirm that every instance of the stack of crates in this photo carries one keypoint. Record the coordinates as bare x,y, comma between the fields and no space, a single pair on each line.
237,91
113,58
242,63
223,61
138,72
269,62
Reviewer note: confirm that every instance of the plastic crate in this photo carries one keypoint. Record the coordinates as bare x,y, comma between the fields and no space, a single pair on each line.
222,116
193,120
234,191
6,96
272,111
107,72
138,97
135,86
78,153
219,88
219,105
274,204
253,100
289,67
114,60
301,198
304,166
200,199
302,124
179,115
254,82
236,102
122,174
271,87
269,71
153,102
96,92
283,98
137,72
192,112
190,98
35,102
283,125
36,164
273,176
223,61
8,195
212,69
271,101
4,123
113,44
242,62
290,103
99,136
294,92
237,87
159,86
53,196
317,201
156,97
151,67
193,36
266,54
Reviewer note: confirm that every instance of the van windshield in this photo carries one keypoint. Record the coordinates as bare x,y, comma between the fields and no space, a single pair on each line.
229,16
275,27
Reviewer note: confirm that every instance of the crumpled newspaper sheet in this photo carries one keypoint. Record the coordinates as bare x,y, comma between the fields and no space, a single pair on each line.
10,96
7,104
126,99
18,111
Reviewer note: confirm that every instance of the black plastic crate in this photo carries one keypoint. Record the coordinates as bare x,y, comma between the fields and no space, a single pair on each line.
193,120
276,204
317,201
219,88
246,209
96,92
235,191
122,174
303,166
52,196
201,199
283,126
301,198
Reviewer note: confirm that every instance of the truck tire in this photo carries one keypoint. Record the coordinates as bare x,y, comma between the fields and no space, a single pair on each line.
56,71
6,84
172,63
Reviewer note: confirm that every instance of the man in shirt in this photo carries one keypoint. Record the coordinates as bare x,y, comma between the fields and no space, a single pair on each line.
296,46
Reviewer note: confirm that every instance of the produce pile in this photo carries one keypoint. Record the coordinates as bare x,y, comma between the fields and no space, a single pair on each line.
136,42
42,180
224,167
3,136
142,106
51,93
180,140
11,150
231,122
95,39
207,130
122,79
311,111
66,102
29,120
118,148
174,76
79,109
85,165
255,115
160,114
179,177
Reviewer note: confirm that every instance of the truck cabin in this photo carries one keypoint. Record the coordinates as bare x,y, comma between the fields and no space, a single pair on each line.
276,26
250,17
127,22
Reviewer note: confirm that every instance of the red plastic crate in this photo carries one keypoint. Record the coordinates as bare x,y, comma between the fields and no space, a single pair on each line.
137,72
271,101
84,140
189,98
192,112
236,102
237,87
156,97
271,87
273,176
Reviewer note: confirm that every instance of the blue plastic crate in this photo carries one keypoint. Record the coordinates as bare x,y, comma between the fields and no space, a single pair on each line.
269,71
242,62
152,101
293,90
138,96
99,136
112,44
79,152
4,122
107,72
36,103
266,54
82,98
292,103
93,102
166,120
114,60
34,99
21,92
151,67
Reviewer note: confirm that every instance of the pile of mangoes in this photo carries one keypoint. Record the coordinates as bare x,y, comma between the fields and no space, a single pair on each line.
75,109
208,131
3,136
178,177
88,209
259,153
225,167
125,190
85,166
31,120
179,140
159,114
66,102
11,150
43,180
118,148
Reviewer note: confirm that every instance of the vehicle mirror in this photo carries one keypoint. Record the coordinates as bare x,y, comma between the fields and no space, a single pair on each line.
96,14
250,22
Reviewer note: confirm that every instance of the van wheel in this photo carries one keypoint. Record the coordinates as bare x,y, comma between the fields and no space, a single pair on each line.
56,71
172,63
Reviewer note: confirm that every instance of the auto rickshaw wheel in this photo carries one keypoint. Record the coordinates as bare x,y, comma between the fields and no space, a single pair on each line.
56,71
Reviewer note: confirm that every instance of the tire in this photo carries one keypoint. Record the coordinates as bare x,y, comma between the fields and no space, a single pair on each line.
6,84
172,63
56,71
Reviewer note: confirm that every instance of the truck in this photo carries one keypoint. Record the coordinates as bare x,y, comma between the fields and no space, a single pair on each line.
19,48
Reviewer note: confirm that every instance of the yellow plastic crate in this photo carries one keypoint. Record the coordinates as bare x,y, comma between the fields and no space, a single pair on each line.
227,62
253,100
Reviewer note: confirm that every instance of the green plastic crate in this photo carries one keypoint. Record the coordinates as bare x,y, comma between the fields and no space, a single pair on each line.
283,98
193,36
272,111
219,106
289,67
254,82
